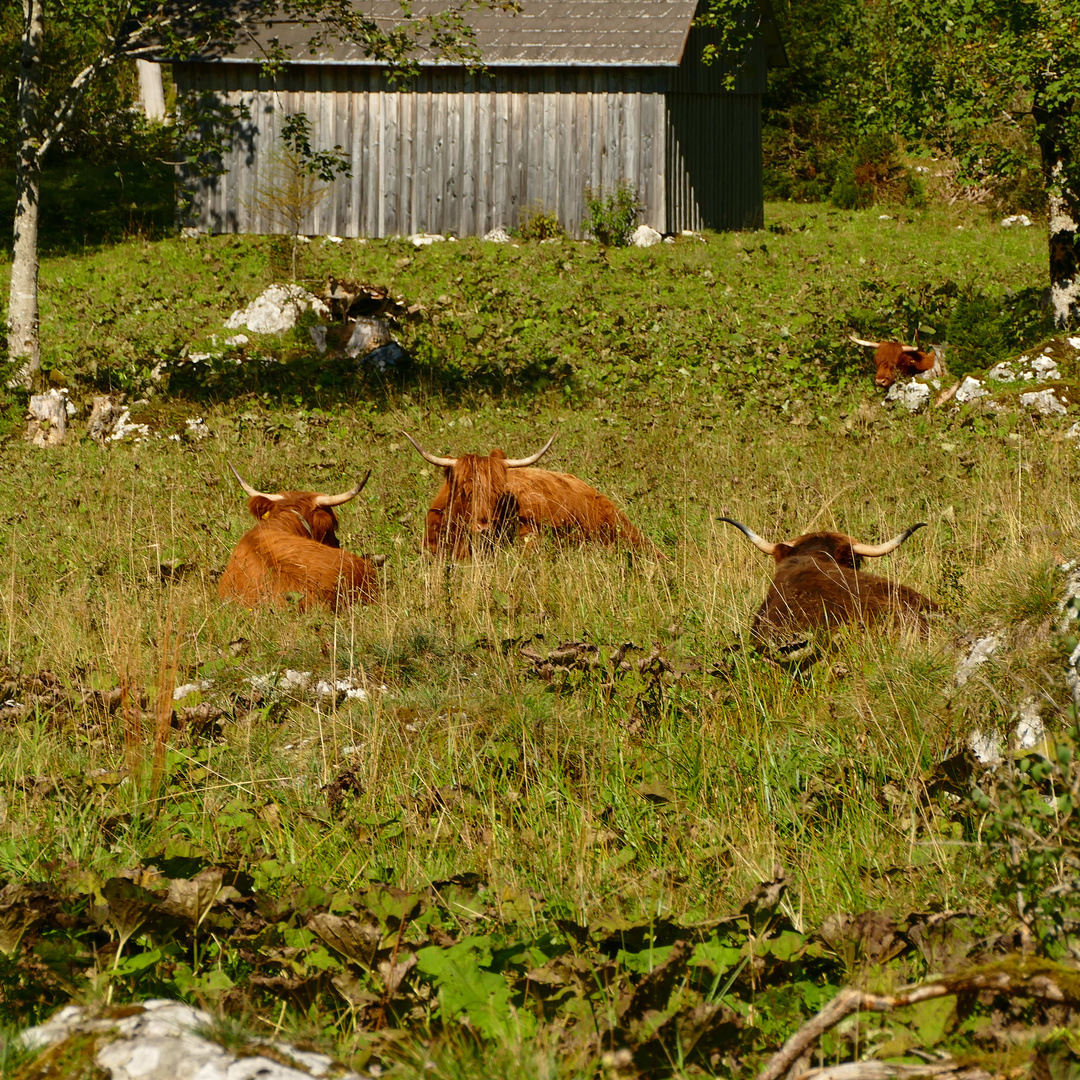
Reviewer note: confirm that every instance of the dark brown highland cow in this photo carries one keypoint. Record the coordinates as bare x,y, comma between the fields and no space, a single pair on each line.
817,583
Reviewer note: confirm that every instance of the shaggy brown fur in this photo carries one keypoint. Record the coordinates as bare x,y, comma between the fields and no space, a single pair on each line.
891,361
817,583
293,548
482,501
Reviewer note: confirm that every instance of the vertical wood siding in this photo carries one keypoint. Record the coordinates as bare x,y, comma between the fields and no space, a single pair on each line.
462,154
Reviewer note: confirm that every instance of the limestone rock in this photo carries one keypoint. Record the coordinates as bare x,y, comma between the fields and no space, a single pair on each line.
909,394
645,236
163,1040
275,310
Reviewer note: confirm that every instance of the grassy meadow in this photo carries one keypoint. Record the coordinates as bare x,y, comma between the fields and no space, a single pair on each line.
538,836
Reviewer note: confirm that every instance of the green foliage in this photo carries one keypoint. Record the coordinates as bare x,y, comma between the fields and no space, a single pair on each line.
611,216
537,222
985,329
871,174
1031,828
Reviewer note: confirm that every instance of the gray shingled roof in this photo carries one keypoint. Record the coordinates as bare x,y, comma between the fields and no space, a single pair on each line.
572,33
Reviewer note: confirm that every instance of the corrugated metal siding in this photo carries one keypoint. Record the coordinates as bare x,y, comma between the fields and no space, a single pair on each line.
462,154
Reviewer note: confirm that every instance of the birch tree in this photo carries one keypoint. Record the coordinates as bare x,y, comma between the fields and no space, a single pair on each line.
110,32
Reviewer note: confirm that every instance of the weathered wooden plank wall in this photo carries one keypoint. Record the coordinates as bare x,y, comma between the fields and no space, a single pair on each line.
462,154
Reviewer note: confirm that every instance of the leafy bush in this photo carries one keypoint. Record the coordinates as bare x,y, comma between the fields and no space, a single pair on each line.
983,330
537,222
1032,833
611,216
871,174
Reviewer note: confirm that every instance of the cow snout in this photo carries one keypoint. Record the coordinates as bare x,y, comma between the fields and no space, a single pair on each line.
884,381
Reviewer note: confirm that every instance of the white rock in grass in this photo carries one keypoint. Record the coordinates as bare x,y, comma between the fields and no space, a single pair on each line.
912,395
979,653
1030,729
1074,342
645,236
1002,373
164,1041
1045,368
498,235
276,310
1015,219
182,692
970,390
424,239
1043,401
986,747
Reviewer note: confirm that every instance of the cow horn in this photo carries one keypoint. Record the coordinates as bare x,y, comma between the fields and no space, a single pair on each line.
860,341
344,497
249,490
763,545
873,550
431,459
532,459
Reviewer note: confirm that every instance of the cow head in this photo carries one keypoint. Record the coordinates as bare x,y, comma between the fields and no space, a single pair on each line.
300,513
892,359
479,511
833,548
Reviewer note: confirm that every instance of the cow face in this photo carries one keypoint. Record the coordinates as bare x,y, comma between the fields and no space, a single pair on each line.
480,512
296,512
474,509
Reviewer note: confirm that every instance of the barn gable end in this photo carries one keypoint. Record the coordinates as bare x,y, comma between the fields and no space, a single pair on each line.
594,93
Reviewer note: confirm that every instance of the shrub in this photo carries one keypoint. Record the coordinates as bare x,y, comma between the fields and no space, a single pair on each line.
872,174
611,216
983,330
537,222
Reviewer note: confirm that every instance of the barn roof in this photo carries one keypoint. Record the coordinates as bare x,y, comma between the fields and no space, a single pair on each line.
545,33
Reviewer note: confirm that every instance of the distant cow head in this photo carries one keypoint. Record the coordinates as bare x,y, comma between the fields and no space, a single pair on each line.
474,506
891,359
301,513
293,548
817,582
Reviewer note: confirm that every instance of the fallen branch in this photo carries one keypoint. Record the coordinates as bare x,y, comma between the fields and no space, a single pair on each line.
1017,976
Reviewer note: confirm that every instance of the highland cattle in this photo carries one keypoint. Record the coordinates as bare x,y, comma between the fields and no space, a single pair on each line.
293,549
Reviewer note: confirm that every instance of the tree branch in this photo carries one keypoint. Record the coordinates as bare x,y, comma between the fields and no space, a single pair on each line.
1020,977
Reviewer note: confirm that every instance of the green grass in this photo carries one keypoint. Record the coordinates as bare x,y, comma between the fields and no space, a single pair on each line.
653,797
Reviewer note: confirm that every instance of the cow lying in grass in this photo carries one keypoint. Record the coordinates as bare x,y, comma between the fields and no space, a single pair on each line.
293,548
892,360
495,499
817,583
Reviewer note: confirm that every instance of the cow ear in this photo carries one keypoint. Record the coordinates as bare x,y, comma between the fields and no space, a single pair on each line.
260,506
844,556
925,361
781,552
498,454
323,523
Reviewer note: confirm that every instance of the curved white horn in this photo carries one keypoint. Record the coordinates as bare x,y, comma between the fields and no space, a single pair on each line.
909,348
873,550
763,545
442,462
860,341
344,497
249,490
532,459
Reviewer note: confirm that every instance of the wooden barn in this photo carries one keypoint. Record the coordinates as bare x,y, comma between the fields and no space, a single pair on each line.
578,94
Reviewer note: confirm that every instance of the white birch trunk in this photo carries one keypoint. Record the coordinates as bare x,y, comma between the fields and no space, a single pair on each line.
151,89
24,346
1064,249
